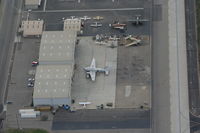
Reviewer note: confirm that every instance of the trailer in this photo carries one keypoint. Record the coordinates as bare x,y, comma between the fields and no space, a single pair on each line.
28,115
25,110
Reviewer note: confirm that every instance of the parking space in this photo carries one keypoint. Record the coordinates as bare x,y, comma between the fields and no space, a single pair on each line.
102,90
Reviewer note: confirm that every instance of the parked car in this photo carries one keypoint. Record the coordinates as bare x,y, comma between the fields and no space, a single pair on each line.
35,63
30,84
31,79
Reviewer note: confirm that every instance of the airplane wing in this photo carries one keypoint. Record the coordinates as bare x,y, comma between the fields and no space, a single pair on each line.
93,64
92,75
133,20
140,20
143,20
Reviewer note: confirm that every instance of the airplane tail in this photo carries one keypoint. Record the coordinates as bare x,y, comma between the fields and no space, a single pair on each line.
107,70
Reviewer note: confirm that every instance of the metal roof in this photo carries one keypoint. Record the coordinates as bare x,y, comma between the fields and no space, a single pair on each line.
72,24
34,27
53,81
32,2
57,46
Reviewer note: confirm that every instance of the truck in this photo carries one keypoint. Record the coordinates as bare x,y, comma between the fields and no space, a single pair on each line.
43,108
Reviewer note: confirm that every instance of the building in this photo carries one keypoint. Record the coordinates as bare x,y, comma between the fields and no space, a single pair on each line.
53,85
32,4
72,24
32,28
54,73
57,47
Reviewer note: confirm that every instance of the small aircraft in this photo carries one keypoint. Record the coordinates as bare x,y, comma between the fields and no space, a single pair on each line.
92,69
97,18
73,17
114,38
84,104
135,41
96,24
118,26
85,18
138,20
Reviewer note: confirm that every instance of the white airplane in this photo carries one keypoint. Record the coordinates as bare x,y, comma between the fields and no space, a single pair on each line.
92,70
84,104
96,24
138,20
73,17
85,18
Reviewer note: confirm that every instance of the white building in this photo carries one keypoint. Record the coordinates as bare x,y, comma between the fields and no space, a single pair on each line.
32,28
57,47
54,73
72,24
53,85
32,4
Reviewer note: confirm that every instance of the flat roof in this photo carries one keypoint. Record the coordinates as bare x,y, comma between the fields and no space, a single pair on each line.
53,81
32,2
72,24
34,27
57,46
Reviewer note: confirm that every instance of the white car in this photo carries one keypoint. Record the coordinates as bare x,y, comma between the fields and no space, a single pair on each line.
31,79
30,84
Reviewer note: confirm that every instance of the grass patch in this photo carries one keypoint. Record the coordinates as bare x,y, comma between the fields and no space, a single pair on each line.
25,131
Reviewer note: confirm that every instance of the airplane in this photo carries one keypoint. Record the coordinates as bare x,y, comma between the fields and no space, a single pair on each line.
84,104
118,26
134,40
138,20
92,69
97,18
114,38
85,18
96,24
73,17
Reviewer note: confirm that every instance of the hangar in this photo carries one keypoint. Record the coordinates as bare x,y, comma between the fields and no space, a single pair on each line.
54,73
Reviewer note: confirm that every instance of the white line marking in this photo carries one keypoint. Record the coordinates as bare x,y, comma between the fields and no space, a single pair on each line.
90,10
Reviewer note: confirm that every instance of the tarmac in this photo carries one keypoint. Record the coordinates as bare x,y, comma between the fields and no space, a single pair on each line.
102,90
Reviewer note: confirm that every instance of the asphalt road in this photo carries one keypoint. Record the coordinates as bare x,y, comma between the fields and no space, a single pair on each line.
192,56
7,33
106,119
160,69
86,4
